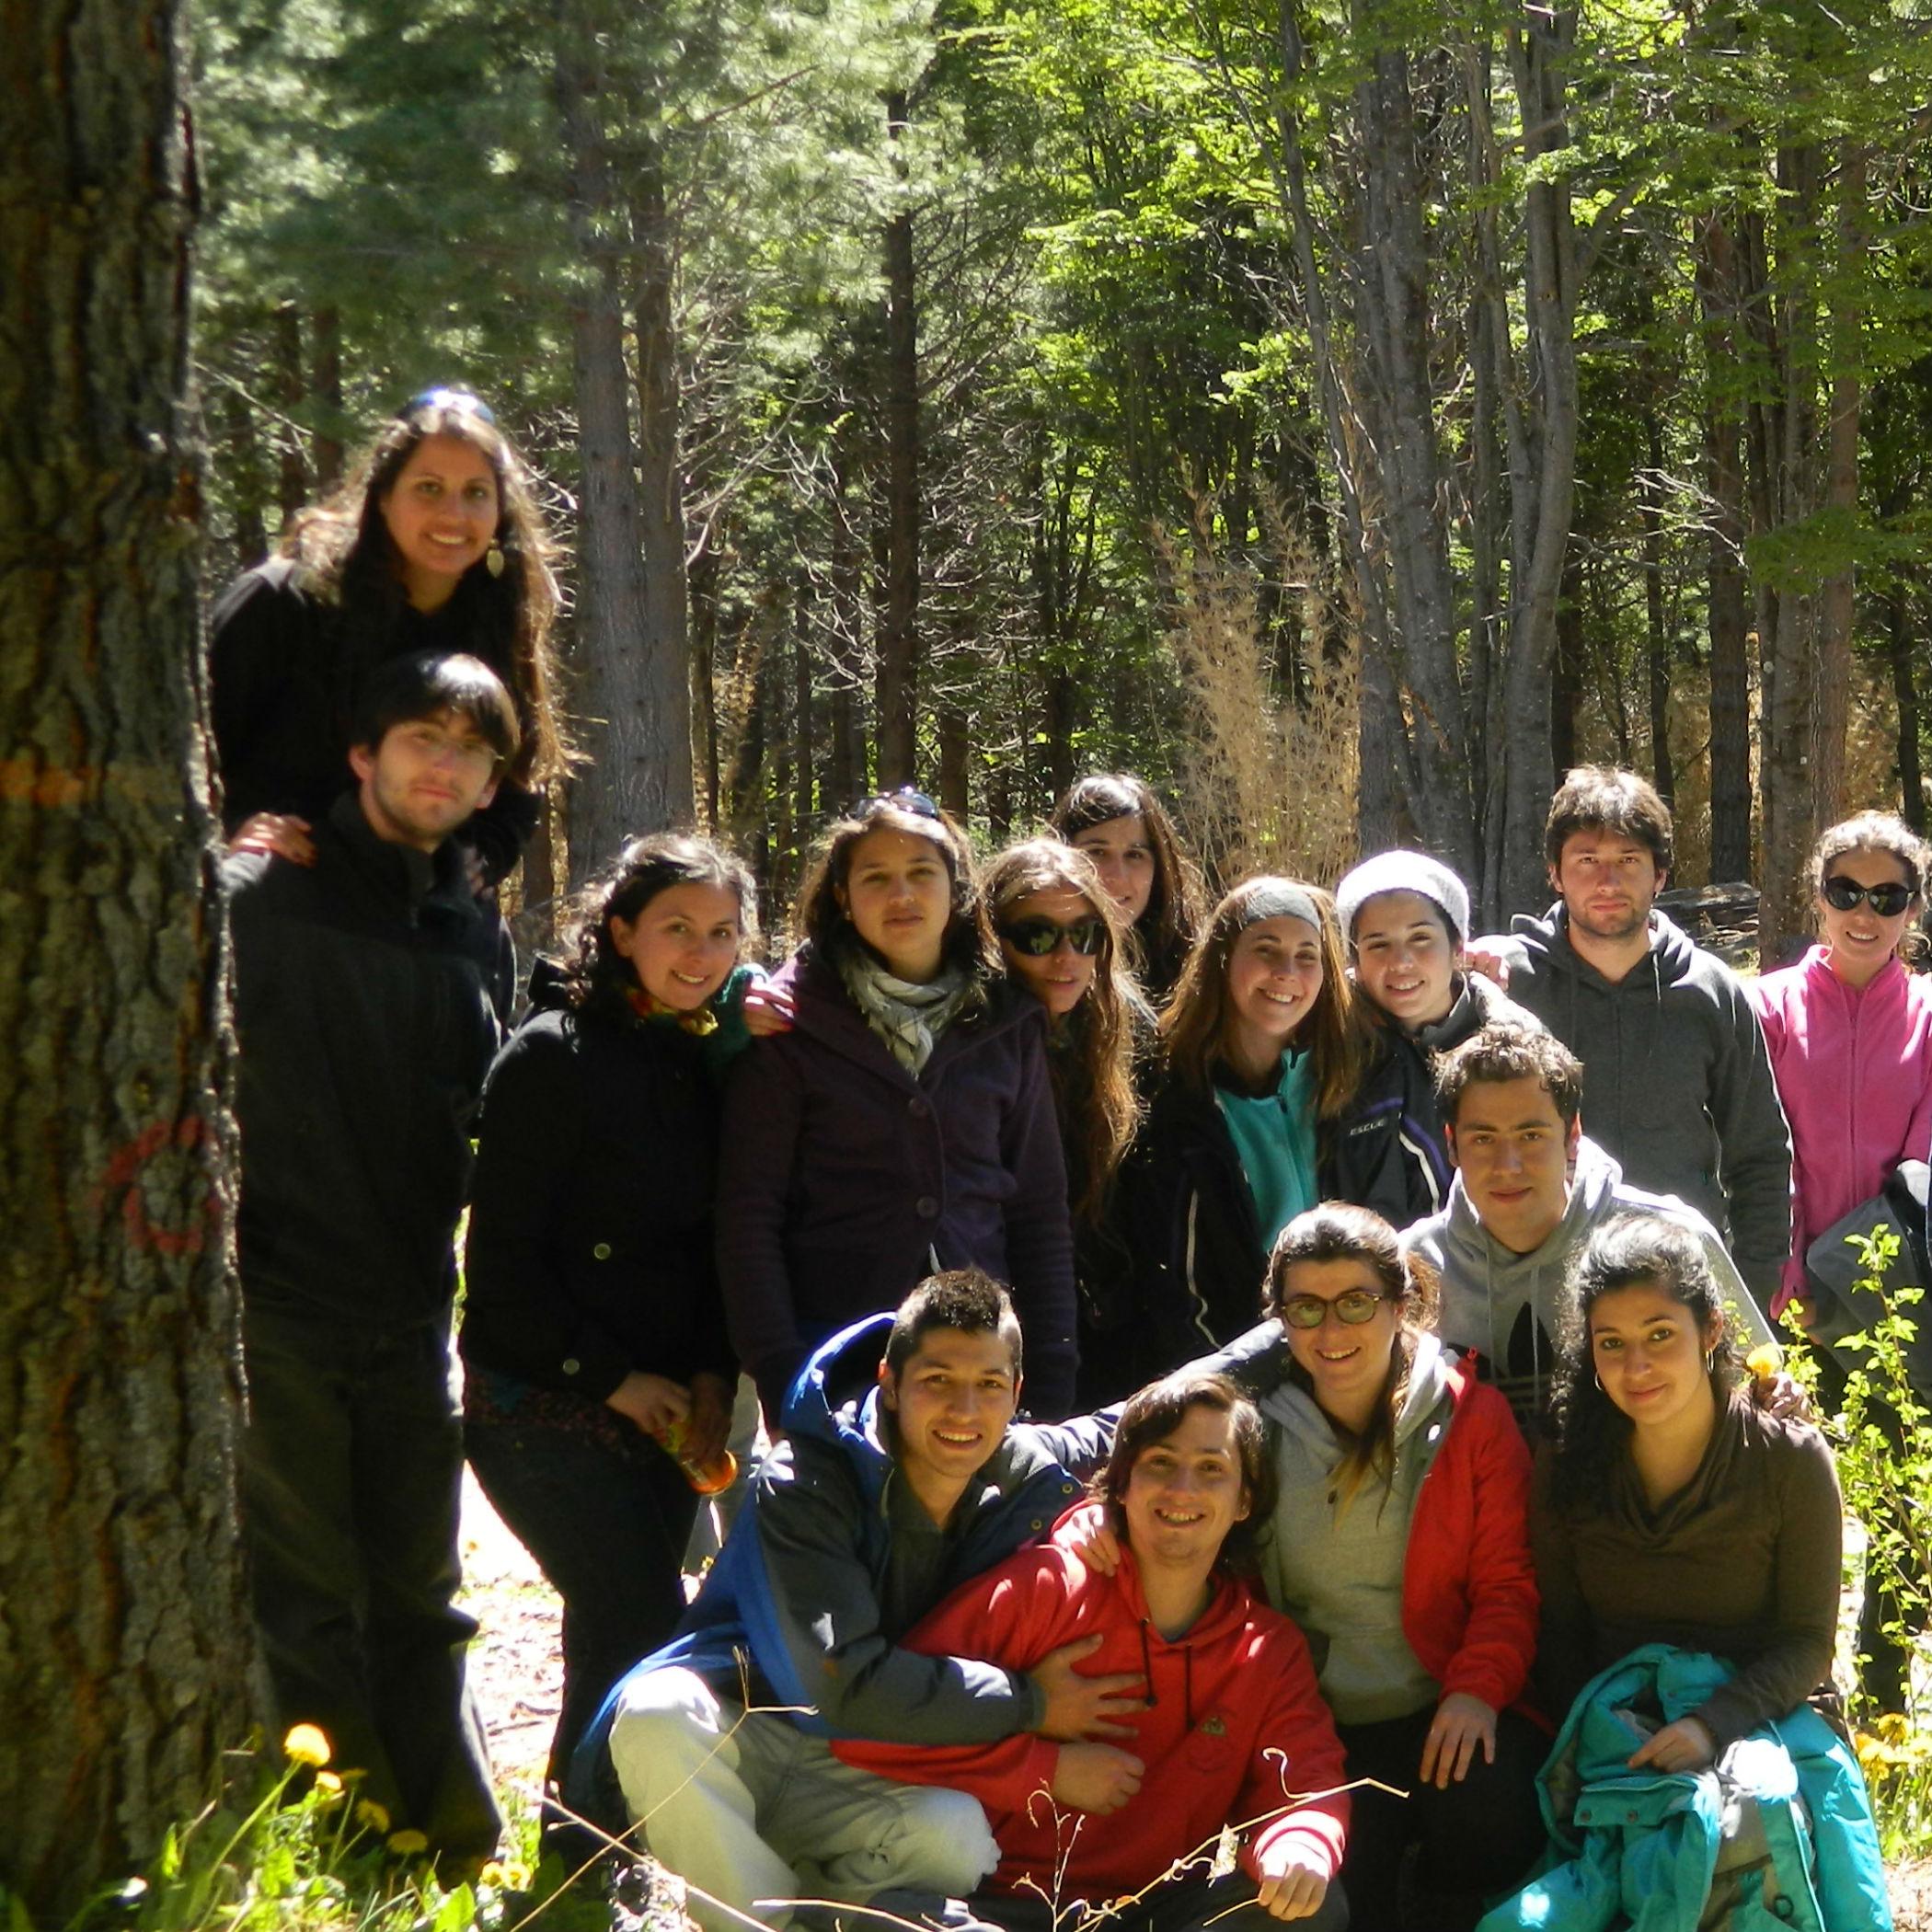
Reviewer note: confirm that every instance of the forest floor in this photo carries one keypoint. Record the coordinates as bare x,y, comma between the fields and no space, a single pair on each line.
515,1666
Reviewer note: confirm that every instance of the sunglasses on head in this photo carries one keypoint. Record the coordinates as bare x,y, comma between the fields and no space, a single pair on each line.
1038,937
905,799
1353,1307
447,398
1888,900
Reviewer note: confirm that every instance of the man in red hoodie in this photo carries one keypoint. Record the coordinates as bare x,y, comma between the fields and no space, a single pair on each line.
1236,1731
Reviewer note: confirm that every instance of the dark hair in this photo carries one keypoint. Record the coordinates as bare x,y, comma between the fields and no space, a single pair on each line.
1157,1410
1626,1251
1878,832
407,690
1601,798
595,974
1166,932
345,551
821,919
1337,1231
1094,1093
1194,1026
1507,1049
968,1299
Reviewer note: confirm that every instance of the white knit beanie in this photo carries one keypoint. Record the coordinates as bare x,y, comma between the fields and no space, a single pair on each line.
1403,872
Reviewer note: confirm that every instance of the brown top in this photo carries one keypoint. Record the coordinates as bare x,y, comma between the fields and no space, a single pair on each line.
1743,1561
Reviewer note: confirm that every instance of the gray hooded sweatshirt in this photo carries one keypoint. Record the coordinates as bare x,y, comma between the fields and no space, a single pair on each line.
1505,1306
1677,1081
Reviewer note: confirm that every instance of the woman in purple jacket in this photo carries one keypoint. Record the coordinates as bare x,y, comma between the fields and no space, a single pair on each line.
906,1122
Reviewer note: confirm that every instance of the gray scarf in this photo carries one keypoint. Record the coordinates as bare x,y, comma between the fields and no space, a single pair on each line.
908,1017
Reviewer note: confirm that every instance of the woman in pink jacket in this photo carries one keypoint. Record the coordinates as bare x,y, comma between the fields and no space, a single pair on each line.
1851,1033
1400,1545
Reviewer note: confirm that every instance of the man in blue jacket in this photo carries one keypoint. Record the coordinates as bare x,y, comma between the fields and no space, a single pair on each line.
368,986
896,1481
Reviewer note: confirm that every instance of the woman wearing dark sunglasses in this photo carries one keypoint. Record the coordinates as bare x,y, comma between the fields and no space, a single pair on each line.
1061,937
435,543
904,1124
1850,1034
1400,1545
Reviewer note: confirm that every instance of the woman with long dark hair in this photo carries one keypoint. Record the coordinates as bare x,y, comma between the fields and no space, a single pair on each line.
598,1369
1061,937
905,1125
435,543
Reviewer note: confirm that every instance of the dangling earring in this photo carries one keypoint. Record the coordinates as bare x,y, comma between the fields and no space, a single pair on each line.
493,559
1599,1381
1710,1359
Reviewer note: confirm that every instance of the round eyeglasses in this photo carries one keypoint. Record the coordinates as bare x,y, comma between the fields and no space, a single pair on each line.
1353,1307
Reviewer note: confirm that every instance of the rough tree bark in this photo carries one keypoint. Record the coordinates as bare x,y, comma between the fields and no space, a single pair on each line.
125,1646
899,634
326,381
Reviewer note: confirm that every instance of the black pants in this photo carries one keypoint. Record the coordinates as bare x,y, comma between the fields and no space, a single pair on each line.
1188,1903
608,1527
1479,1836
352,1484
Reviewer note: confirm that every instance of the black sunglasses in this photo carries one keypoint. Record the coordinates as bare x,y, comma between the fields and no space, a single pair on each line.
1353,1307
446,398
905,799
1038,937
1888,900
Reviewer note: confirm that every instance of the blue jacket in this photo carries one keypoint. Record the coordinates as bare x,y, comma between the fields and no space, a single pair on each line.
1639,1849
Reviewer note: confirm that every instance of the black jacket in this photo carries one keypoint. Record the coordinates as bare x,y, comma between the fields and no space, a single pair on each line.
590,1229
284,683
367,991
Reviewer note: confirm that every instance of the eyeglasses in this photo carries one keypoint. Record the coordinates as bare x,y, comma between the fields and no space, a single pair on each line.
1352,1308
433,745
905,799
1039,937
446,398
1888,900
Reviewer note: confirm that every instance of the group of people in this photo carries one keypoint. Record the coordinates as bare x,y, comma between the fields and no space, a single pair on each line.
1202,1372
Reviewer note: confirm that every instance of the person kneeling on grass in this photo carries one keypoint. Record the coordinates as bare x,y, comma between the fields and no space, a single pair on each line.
1234,1730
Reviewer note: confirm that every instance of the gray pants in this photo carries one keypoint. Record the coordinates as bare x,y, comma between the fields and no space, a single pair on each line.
755,1815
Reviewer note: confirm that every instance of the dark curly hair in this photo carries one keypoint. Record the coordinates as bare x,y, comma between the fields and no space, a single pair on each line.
596,976
1591,1432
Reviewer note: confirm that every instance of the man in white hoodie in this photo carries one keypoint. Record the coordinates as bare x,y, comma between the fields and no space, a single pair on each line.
1528,1190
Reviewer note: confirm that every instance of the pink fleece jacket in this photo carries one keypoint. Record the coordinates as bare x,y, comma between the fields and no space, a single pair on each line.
1854,1070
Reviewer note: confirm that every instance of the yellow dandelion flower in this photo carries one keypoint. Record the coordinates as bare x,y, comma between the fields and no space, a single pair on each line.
407,1843
1766,1359
327,1783
373,1816
1891,1726
305,1744
491,1874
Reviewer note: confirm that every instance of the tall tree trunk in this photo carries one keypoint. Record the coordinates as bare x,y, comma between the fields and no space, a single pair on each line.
659,686
126,1666
899,636
955,792
1657,638
703,588
326,382
1566,670
290,391
245,481
804,804
620,792
1904,688
845,775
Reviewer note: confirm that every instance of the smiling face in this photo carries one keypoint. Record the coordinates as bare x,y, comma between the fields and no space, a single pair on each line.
898,895
1123,856
1274,977
424,780
441,513
950,1402
1405,958
1859,941
683,944
1346,1361
1513,1151
1062,979
1607,881
1185,1493
1648,1351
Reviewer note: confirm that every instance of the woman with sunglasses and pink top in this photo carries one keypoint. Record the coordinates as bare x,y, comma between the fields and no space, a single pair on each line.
1850,1034
903,1124
1061,937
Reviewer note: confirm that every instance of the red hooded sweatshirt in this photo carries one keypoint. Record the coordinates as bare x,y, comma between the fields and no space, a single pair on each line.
1237,1732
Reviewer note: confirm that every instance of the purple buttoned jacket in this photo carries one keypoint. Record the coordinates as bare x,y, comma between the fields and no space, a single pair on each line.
844,1179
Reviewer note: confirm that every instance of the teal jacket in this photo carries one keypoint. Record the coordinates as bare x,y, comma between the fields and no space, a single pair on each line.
1638,1851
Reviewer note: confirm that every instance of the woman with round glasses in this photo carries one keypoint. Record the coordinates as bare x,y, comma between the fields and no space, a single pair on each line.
903,1124
435,543
1850,1034
1060,935
1400,1545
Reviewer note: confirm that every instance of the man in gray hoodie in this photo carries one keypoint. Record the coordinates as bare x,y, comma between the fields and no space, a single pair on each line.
1679,1082
1529,1188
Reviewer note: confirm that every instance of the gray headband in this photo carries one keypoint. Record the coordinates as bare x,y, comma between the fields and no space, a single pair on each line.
1278,899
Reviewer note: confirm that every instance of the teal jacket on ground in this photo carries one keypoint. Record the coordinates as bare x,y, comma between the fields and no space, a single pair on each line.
1637,1851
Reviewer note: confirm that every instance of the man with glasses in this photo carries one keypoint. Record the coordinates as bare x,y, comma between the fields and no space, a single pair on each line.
1678,1079
368,989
